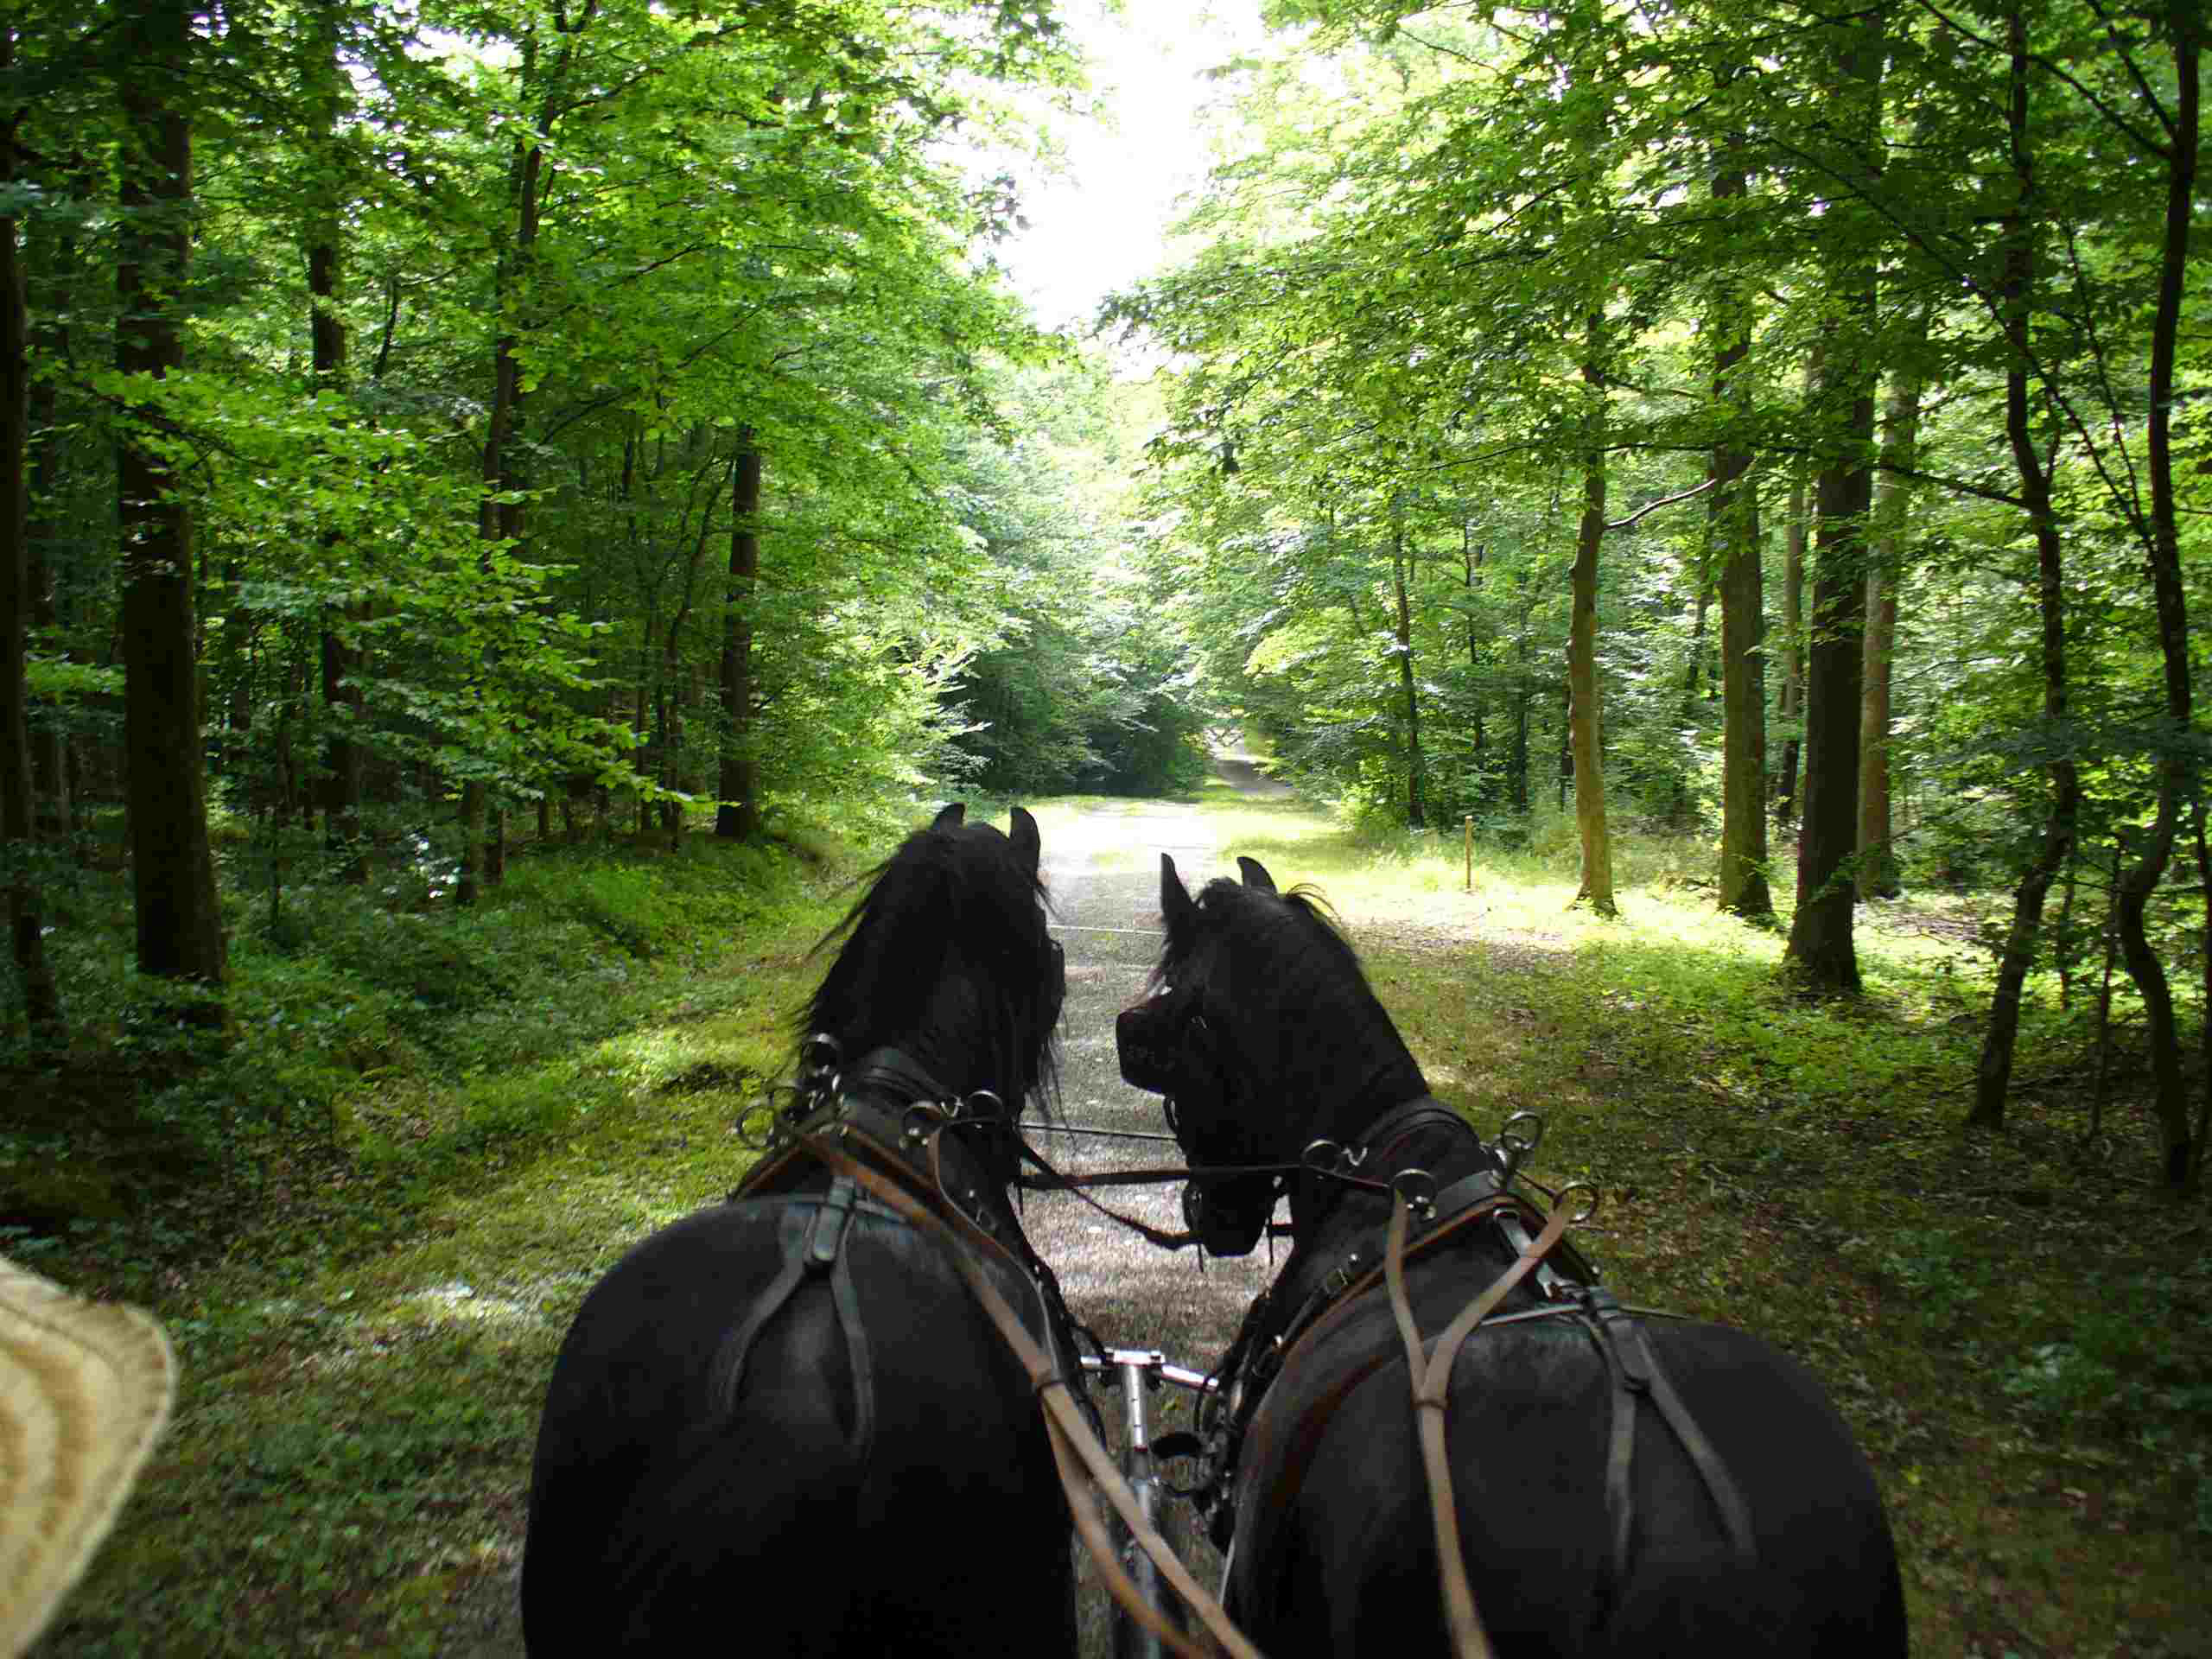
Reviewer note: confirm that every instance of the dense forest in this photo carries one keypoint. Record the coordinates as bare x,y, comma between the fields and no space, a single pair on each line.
418,416
1751,420
429,429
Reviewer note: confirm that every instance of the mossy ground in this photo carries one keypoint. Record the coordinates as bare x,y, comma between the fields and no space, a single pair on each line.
366,1294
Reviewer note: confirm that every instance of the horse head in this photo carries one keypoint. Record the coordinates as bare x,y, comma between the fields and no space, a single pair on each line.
1261,1032
946,961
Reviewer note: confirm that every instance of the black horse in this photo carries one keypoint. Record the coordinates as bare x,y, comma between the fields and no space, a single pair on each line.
1625,1484
782,1424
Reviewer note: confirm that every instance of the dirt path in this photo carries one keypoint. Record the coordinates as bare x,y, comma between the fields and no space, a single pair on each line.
1132,1294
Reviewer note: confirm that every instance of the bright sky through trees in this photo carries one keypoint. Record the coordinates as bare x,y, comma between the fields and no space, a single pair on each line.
1102,224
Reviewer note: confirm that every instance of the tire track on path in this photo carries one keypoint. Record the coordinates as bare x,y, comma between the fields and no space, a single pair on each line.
1131,1292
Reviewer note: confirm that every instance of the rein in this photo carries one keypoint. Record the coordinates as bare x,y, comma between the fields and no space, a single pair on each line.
899,1163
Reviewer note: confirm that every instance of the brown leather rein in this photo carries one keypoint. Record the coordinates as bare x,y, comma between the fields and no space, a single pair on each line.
899,1163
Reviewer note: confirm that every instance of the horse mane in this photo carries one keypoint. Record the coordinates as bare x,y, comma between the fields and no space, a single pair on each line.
1311,929
946,900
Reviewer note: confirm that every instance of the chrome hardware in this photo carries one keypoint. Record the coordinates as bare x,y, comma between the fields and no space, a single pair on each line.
1418,1188
1589,1190
1329,1158
1515,1149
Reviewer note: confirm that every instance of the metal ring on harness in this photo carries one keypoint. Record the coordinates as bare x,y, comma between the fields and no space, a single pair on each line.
1590,1203
1515,1149
762,1138
1418,1188
1329,1158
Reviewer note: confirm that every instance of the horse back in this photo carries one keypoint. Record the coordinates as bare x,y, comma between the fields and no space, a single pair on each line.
1335,1547
668,1507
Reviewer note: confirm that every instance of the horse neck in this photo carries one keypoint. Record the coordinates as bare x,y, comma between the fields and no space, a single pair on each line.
1332,1221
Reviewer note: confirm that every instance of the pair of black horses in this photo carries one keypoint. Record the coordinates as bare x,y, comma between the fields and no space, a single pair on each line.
783,1425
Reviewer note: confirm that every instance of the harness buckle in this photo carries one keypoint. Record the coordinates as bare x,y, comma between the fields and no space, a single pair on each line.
1340,1278
922,1120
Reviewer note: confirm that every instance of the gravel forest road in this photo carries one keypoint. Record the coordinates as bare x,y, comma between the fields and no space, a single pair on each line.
1130,1292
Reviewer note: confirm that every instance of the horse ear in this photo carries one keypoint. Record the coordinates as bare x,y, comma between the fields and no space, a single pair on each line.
1256,875
1027,841
1175,906
952,817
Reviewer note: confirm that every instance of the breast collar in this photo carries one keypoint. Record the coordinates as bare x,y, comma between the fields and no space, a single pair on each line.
1481,1196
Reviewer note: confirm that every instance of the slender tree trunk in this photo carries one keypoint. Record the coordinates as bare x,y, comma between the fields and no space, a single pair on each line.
56,257
737,817
180,926
2204,1025
1585,733
2185,25
1821,948
342,756
42,997
1472,556
1734,522
1415,820
1993,1076
1523,689
1878,861
1790,709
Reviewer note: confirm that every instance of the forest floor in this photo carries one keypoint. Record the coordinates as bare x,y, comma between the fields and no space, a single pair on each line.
367,1309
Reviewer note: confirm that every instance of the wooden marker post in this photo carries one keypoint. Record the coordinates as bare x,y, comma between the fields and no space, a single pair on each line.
1467,826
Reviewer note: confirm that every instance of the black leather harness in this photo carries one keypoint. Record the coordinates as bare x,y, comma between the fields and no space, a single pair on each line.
1262,1356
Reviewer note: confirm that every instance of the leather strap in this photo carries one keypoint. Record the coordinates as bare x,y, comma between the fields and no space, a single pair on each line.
1070,1433
1637,1372
818,1246
1432,1385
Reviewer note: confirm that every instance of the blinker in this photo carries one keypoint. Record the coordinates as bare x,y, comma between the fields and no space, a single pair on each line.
1220,1230
1146,1050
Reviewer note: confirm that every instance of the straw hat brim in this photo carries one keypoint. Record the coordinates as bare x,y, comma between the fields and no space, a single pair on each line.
85,1391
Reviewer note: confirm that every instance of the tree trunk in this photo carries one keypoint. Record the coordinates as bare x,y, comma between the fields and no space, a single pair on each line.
180,927
1878,861
1733,522
56,253
1993,1075
42,997
1472,557
1790,707
342,756
1415,820
737,816
1821,948
2162,553
1523,690
500,516
1584,736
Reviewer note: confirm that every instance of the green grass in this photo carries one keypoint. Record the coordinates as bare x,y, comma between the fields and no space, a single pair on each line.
368,1227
